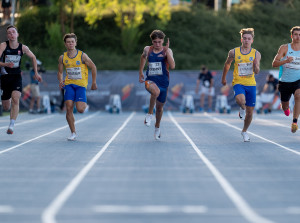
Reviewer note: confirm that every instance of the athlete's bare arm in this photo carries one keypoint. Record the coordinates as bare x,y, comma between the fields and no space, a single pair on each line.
227,65
27,51
170,58
60,72
282,51
93,67
256,63
169,54
143,61
2,64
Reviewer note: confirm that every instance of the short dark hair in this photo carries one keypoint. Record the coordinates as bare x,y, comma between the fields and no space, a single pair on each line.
70,35
295,28
157,34
11,26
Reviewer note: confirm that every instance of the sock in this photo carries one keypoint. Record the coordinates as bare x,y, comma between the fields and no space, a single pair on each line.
295,120
12,123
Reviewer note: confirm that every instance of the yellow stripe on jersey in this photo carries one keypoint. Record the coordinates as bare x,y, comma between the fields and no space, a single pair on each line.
77,72
243,68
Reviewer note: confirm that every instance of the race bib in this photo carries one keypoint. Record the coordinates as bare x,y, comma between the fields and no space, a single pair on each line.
245,69
155,69
15,59
74,73
295,64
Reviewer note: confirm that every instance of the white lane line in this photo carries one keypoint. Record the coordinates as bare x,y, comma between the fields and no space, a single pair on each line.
246,211
49,214
4,209
28,121
273,123
251,133
149,209
55,130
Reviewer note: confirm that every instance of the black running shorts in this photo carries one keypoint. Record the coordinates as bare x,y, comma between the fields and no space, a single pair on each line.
286,89
10,83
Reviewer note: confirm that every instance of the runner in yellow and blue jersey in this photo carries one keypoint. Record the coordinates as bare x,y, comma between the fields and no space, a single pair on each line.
246,65
159,59
288,59
76,63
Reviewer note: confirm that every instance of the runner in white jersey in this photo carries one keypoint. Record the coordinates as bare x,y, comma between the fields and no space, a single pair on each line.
288,58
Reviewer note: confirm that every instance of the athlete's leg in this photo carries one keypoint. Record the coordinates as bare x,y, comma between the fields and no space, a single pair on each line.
15,101
159,113
69,115
297,104
241,100
81,106
152,88
248,118
6,104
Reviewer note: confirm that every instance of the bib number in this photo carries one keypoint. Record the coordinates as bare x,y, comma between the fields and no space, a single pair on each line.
245,69
155,69
15,59
295,64
74,73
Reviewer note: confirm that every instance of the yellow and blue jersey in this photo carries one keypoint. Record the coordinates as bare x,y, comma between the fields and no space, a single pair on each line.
77,71
243,67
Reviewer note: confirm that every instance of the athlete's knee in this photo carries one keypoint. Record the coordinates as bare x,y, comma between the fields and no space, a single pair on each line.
6,107
80,109
297,97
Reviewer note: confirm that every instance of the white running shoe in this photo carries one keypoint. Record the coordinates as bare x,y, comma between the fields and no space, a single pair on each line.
242,114
157,133
72,137
245,136
148,119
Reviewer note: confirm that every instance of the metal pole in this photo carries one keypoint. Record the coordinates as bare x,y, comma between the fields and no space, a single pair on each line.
13,6
229,2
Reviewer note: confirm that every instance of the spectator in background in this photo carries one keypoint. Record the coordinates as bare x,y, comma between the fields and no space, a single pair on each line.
268,93
6,4
35,90
207,88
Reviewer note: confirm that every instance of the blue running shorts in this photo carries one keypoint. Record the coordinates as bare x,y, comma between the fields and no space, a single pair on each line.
75,93
248,91
162,97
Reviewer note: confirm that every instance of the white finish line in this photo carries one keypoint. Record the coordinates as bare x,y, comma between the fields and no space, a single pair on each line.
149,209
4,209
246,211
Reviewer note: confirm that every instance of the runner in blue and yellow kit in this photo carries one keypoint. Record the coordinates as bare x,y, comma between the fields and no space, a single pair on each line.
76,63
246,65
288,59
159,59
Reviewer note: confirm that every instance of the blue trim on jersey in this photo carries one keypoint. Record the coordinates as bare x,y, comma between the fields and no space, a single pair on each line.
246,53
75,93
248,91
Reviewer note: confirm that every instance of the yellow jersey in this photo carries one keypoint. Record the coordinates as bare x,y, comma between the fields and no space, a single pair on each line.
243,67
77,71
